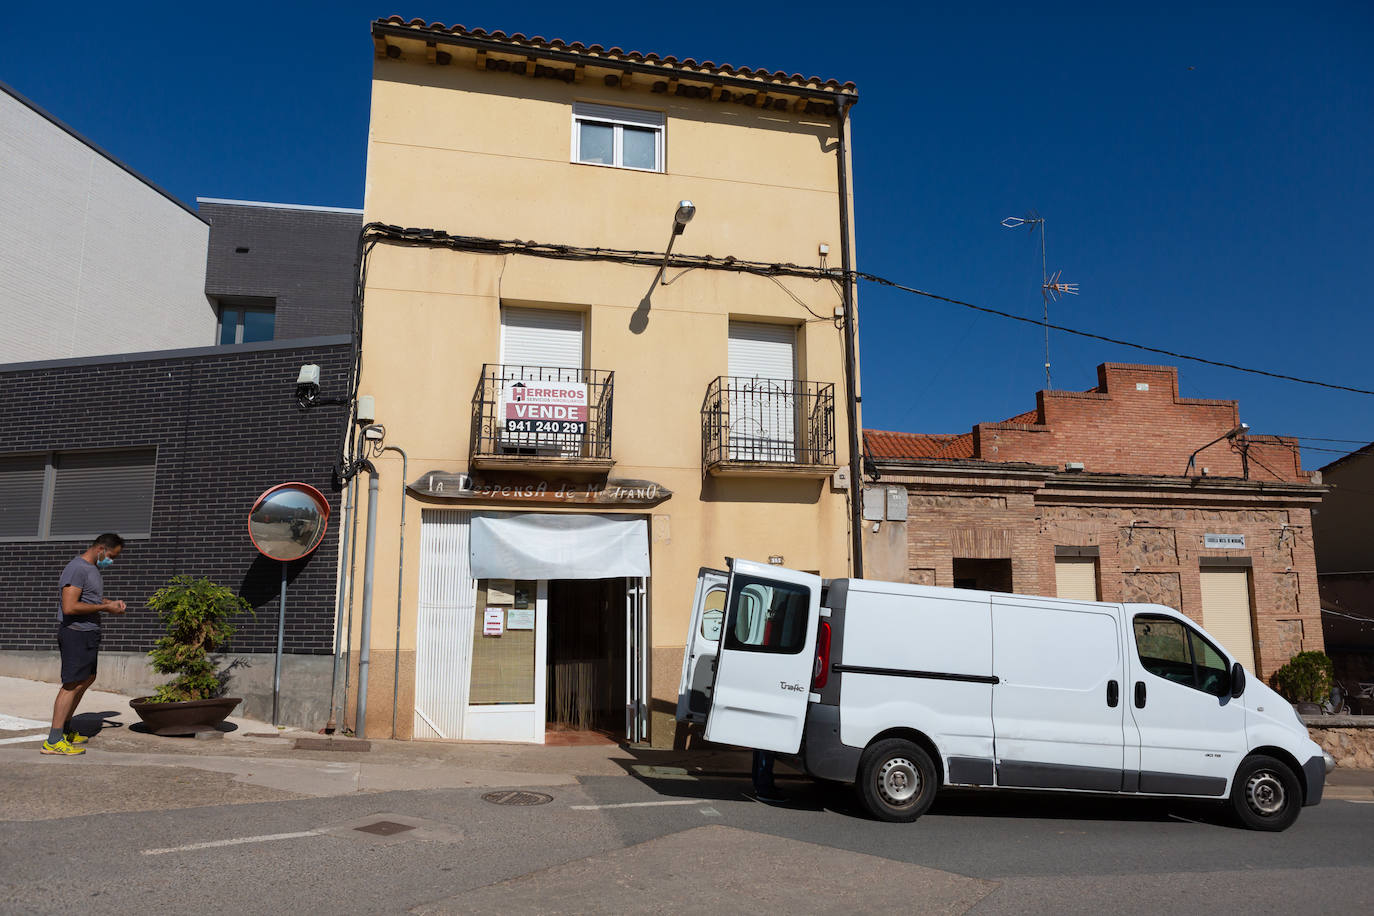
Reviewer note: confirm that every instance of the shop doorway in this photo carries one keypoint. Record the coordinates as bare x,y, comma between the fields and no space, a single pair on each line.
586,657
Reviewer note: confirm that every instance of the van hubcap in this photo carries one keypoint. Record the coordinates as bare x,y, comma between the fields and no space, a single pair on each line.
899,781
1264,793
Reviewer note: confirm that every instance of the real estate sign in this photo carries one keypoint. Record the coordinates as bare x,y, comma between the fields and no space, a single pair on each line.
544,408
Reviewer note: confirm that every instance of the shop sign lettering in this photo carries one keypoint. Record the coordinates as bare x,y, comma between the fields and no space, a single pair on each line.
526,488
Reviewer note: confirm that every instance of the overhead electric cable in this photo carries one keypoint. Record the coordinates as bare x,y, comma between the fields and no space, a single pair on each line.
482,245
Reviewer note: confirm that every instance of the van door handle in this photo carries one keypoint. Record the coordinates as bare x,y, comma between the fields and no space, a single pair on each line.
1113,693
1139,694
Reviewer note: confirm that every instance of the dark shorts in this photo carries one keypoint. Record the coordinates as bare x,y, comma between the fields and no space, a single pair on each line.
79,649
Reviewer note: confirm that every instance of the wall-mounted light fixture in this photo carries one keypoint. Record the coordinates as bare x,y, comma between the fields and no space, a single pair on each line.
1240,430
685,211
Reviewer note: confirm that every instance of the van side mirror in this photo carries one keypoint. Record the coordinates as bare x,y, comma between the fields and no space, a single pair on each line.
1237,680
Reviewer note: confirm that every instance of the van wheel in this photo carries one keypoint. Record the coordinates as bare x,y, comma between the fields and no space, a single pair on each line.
1265,794
897,780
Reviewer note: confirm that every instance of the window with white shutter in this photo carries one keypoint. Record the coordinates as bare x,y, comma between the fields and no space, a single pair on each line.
763,400
1076,577
544,338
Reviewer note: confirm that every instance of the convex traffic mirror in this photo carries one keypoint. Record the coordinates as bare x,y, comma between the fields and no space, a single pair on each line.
288,521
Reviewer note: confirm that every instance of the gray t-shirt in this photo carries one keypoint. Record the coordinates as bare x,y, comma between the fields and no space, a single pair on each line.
87,578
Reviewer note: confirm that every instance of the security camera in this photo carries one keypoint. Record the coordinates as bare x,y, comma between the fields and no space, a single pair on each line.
308,383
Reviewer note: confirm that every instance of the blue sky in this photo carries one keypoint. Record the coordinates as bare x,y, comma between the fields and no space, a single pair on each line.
1204,171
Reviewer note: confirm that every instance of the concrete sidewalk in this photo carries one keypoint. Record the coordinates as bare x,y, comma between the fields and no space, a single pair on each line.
279,764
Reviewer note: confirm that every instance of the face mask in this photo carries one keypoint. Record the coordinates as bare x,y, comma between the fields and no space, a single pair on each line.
104,563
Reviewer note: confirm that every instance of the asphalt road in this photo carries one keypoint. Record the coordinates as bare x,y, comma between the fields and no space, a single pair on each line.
677,845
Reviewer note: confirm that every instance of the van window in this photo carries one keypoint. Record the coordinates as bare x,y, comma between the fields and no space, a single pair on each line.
712,614
1171,649
766,616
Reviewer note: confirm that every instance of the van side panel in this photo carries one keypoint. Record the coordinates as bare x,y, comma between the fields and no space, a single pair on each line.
918,658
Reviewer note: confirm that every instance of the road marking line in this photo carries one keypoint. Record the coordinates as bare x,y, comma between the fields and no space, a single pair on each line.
234,842
653,804
1358,801
15,723
23,738
708,811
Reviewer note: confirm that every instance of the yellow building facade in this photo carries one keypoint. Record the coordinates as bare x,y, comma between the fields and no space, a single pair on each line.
583,430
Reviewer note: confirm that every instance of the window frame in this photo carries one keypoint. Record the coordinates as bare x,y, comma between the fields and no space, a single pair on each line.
242,309
50,459
618,119
1190,636
738,585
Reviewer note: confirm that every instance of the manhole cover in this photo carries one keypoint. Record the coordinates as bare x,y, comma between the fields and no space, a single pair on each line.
385,828
517,798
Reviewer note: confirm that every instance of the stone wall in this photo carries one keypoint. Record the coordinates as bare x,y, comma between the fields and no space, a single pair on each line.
1351,743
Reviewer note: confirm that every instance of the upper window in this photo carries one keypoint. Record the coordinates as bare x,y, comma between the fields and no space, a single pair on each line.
68,495
766,616
246,323
621,137
1170,649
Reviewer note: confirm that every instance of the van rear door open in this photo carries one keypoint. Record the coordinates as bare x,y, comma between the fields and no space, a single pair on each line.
703,640
766,656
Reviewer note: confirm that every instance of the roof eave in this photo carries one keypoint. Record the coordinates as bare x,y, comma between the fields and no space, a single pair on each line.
840,95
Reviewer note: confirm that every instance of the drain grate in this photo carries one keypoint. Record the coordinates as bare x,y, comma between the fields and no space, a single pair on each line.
523,799
384,828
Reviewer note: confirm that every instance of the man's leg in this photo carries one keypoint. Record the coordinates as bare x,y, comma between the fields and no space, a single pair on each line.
76,701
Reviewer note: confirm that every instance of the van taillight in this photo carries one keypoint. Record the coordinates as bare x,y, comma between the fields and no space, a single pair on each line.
822,672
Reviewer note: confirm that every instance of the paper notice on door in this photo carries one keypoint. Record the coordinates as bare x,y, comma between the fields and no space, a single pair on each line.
520,618
501,592
492,622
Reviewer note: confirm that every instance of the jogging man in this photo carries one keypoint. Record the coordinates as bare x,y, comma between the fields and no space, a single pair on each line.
78,637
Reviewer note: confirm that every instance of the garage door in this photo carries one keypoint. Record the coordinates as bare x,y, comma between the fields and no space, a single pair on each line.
1226,612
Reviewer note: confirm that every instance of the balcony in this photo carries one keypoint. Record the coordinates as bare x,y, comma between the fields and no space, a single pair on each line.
768,427
540,417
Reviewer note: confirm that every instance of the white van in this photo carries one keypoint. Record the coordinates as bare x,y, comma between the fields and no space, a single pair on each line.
903,689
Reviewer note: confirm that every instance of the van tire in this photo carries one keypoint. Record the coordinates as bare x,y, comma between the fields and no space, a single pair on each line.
897,780
1265,794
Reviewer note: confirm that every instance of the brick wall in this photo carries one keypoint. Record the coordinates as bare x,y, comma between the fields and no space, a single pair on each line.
304,259
226,427
1135,423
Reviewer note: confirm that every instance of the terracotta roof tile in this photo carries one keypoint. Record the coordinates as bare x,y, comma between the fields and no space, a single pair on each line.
706,67
882,444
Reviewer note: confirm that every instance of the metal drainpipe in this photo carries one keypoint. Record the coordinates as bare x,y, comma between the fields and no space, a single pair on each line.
332,724
365,634
400,585
352,578
850,374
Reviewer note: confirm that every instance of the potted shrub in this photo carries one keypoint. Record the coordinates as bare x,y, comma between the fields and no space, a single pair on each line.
1305,681
197,615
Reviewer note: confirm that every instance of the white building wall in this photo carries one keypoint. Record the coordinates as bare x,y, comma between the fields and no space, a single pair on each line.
93,260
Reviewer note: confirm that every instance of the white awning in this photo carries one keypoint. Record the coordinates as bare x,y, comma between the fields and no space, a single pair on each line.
541,545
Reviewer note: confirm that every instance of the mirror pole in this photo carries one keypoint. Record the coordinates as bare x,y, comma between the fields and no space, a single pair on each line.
281,638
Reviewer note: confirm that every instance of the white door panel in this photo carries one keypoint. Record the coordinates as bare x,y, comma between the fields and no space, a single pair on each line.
703,639
766,655
1057,708
443,628
1190,740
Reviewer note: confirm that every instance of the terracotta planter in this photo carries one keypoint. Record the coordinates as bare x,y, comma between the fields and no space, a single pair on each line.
185,717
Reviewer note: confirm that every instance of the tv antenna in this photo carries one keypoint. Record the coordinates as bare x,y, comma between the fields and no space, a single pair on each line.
1051,287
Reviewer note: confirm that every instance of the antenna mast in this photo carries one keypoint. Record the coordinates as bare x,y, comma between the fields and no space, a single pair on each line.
1050,287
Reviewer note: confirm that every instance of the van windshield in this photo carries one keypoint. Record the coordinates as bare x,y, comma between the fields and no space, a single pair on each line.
766,616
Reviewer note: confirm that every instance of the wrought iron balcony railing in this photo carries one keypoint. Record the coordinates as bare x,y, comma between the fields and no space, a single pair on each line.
525,414
767,422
